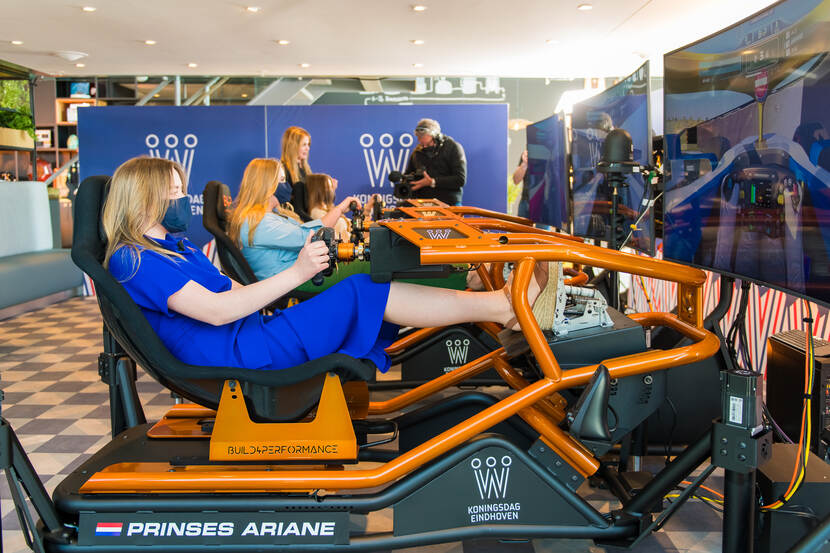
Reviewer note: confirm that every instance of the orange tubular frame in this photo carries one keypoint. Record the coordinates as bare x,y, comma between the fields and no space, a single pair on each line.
118,479
533,402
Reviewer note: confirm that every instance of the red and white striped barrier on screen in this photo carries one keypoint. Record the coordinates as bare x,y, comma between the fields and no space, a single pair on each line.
768,311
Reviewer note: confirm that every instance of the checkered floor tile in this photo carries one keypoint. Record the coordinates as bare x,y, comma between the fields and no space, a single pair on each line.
59,409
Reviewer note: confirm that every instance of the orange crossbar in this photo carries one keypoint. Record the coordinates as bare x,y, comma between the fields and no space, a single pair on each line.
452,378
509,226
412,338
556,250
481,212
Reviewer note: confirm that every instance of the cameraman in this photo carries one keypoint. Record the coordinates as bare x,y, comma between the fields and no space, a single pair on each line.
443,164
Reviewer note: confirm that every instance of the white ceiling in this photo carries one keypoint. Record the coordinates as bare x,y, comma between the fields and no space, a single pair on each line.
358,37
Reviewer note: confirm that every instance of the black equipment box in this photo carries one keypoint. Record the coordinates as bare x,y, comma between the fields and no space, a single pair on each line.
587,346
785,386
780,530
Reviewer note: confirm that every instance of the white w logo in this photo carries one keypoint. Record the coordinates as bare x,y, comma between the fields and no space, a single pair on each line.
458,351
382,161
439,233
491,479
183,157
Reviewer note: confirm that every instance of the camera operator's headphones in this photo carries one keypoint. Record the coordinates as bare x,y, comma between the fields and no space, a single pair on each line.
436,135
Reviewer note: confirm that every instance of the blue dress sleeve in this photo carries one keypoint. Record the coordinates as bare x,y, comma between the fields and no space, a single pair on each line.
155,279
275,231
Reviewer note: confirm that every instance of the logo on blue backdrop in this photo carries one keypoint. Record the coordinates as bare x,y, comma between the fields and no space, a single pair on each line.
385,154
181,151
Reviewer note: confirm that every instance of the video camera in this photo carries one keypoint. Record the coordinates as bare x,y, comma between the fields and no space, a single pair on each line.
403,182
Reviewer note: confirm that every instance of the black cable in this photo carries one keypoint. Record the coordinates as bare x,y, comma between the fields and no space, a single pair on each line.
803,511
736,341
777,429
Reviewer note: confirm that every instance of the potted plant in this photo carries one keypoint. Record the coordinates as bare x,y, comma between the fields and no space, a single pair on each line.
17,127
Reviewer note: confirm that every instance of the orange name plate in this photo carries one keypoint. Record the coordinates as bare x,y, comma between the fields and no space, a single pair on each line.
329,436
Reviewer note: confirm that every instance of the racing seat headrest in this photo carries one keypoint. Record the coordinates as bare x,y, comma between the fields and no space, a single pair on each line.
200,384
217,198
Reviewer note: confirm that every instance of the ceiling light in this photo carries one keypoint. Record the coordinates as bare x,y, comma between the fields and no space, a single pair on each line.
149,42
417,42
192,65
551,41
89,9
417,65
419,8
80,65
70,55
305,65
244,95
253,9
17,42
156,95
283,42
585,7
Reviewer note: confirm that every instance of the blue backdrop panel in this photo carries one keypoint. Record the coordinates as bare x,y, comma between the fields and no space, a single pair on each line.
212,143
360,145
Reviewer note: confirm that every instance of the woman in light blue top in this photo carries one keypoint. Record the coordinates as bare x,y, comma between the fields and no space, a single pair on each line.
269,236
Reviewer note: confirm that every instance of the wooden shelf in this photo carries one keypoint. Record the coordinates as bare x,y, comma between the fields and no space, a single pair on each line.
75,100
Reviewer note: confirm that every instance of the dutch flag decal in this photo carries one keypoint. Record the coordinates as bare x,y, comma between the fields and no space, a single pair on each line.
108,529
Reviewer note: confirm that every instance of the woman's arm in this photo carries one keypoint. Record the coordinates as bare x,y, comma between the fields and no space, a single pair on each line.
276,231
197,302
330,218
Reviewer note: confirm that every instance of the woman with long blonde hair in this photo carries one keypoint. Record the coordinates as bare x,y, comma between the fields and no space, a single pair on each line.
205,318
269,237
295,146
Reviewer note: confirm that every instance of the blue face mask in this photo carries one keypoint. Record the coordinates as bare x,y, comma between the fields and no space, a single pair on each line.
178,215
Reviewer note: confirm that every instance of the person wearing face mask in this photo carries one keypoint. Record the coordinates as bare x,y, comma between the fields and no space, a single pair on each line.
177,217
205,318
296,143
443,164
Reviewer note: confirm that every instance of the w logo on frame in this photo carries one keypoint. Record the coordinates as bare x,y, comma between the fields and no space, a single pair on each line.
439,233
181,151
382,156
458,350
491,476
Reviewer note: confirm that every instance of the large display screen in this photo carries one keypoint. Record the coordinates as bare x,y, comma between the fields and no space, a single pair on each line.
747,115
547,173
625,105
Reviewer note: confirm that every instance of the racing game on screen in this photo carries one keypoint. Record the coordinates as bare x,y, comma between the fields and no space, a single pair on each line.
747,114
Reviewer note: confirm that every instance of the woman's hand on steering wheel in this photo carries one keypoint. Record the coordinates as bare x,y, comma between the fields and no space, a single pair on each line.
344,205
313,258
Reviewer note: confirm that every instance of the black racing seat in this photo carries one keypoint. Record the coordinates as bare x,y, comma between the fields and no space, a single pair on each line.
217,197
203,385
